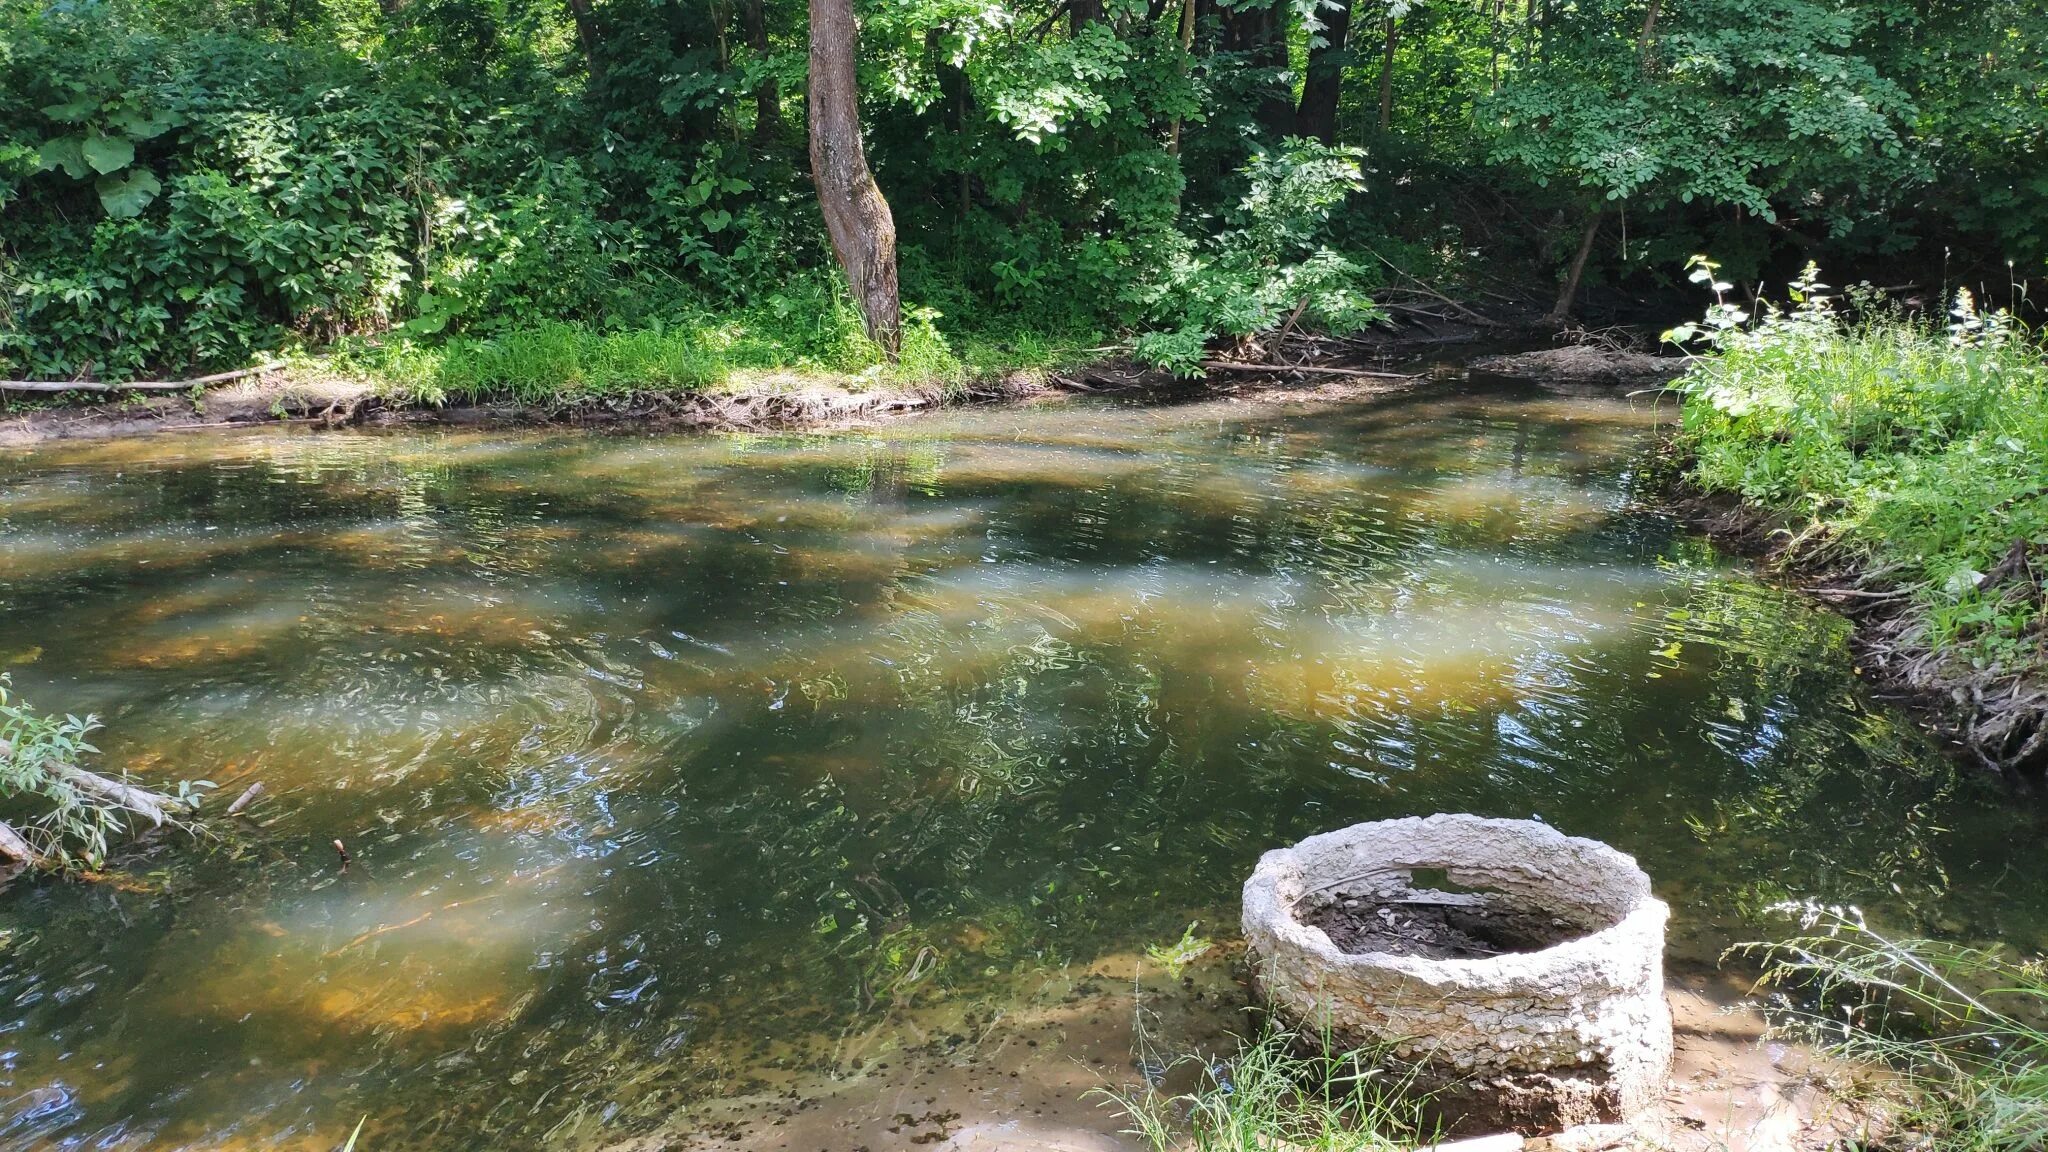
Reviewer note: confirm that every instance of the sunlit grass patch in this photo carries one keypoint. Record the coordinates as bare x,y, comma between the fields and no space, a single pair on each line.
808,335
1278,1092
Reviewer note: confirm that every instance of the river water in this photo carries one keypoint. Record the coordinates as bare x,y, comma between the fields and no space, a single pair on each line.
669,763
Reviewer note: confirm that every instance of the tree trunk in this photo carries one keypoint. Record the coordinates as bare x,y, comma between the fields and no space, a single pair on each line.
1323,86
1568,292
1082,13
1187,45
1646,44
768,97
1393,40
863,232
586,36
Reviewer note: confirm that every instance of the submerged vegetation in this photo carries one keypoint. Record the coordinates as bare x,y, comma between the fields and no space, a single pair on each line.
1911,456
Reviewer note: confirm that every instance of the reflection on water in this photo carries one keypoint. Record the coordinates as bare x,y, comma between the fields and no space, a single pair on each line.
670,763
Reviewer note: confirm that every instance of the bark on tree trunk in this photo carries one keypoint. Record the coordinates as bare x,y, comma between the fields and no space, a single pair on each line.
863,232
768,97
586,36
1323,86
1568,292
1082,13
1646,43
1393,40
1187,44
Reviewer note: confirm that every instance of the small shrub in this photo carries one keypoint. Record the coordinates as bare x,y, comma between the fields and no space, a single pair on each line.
1269,268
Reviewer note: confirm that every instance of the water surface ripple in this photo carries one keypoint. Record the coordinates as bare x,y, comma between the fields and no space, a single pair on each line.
668,762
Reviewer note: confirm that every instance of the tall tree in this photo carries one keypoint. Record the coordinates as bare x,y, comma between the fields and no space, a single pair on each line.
587,36
1323,85
858,218
768,95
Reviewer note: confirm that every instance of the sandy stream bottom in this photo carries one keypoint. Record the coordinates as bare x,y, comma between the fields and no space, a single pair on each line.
1030,1076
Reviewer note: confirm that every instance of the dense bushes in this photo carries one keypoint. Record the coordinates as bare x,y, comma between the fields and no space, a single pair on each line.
186,183
1915,449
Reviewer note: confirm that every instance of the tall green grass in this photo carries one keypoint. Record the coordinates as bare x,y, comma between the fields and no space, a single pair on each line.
1272,1095
1965,1030
1909,447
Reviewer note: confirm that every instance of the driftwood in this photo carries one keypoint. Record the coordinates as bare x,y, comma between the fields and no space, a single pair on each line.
1306,369
154,805
14,848
136,385
249,796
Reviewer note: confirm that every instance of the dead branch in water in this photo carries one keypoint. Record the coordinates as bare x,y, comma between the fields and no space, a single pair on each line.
249,796
14,848
136,385
154,805
1306,369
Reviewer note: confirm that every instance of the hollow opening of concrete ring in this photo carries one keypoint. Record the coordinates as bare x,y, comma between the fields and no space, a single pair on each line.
1426,912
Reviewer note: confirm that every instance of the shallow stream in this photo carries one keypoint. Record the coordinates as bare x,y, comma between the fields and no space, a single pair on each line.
679,768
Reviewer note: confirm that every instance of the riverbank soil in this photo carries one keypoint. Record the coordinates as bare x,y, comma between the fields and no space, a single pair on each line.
1030,1079
758,401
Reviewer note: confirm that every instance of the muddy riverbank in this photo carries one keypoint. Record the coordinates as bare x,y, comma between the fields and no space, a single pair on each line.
762,402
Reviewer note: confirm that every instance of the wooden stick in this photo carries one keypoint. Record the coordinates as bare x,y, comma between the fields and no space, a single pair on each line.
248,797
135,385
1307,369
14,847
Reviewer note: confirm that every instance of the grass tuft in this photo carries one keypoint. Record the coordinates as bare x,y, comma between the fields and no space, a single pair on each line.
1965,1029
1271,1095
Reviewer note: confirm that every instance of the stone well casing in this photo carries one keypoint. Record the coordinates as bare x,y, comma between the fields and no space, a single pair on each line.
1574,1033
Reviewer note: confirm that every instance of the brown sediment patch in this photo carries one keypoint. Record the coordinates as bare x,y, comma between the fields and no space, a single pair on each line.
1995,716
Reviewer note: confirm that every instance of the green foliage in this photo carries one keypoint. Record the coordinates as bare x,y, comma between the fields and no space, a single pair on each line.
1961,1025
1269,267
1760,104
1270,1095
64,825
193,184
1917,449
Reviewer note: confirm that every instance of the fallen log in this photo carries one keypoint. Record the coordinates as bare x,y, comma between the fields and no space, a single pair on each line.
1306,369
14,848
136,385
154,805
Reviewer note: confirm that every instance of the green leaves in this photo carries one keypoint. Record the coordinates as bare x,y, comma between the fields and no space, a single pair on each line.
65,153
107,154
128,194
